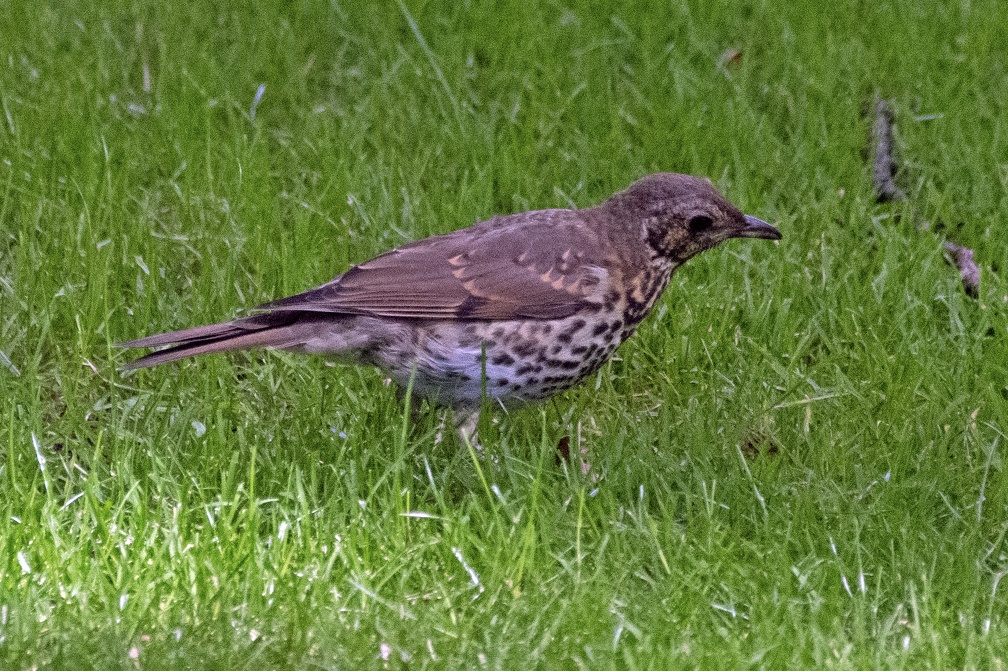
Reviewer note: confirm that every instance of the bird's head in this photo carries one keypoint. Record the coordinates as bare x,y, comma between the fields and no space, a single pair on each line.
680,216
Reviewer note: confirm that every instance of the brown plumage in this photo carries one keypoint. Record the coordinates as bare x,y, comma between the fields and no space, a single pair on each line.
519,307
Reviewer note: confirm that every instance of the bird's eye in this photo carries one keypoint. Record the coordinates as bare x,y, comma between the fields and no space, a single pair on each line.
700,223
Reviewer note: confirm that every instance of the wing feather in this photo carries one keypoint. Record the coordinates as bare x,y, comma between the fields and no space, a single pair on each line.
536,265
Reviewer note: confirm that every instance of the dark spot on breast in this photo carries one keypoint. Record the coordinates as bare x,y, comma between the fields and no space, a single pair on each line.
565,338
578,350
524,349
503,359
634,306
556,348
601,328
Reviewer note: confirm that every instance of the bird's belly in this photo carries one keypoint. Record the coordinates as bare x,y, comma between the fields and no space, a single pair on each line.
515,361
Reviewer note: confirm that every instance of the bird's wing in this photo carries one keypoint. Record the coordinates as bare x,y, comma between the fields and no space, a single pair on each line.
538,265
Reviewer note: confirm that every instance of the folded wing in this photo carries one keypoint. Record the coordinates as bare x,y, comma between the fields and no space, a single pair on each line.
551,269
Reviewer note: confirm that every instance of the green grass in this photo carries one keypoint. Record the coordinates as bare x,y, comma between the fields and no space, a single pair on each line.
270,511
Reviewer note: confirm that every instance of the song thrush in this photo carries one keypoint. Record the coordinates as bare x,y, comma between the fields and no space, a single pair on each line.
517,308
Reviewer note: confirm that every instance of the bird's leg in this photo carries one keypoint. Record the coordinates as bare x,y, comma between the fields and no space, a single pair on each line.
467,429
467,425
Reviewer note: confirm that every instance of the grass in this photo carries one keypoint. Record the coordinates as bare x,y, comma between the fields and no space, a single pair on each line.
270,511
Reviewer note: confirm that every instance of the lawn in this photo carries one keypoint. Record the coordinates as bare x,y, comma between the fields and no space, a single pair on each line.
797,461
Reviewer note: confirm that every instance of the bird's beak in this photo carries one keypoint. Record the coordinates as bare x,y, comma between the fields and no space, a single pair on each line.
757,228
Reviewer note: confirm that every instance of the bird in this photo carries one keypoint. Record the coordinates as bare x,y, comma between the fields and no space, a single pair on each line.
516,308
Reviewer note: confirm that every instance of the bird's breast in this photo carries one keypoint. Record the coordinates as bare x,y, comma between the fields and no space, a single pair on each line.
513,361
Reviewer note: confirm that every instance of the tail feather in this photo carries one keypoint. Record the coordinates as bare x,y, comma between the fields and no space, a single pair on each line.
266,330
222,330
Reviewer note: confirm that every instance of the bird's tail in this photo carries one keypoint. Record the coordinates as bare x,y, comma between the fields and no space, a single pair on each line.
276,330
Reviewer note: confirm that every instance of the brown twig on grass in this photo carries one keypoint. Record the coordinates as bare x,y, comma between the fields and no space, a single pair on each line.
884,162
969,271
884,171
